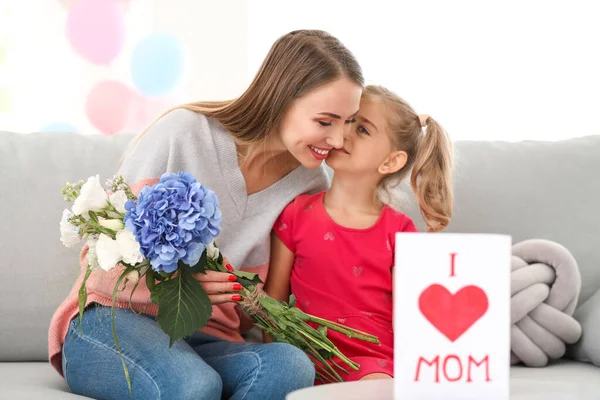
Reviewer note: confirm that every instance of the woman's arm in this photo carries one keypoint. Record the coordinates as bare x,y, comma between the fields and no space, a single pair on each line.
277,284
168,146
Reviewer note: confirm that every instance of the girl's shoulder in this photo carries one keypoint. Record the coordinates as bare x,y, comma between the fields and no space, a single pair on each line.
302,204
305,200
398,221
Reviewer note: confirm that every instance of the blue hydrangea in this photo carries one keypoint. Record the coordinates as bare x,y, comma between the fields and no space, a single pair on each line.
174,220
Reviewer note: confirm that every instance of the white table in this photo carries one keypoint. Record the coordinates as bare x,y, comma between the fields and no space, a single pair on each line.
550,383
384,389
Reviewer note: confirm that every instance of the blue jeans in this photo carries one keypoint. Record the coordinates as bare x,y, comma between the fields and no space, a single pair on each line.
199,367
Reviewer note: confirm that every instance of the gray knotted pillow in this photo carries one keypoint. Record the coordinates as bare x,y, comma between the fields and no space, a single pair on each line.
545,286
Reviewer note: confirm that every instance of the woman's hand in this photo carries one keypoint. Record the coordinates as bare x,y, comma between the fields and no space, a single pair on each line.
221,287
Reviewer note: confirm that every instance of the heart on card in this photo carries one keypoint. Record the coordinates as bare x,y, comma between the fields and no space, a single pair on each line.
357,271
453,314
328,236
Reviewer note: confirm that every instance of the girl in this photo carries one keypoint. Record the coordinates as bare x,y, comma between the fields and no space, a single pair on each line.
335,250
257,152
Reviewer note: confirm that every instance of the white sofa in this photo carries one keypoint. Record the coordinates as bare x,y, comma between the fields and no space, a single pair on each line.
528,189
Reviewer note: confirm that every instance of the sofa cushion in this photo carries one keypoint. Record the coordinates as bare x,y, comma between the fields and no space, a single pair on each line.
588,347
37,271
32,380
526,189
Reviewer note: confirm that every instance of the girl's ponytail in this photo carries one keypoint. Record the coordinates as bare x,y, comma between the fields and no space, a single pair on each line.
431,177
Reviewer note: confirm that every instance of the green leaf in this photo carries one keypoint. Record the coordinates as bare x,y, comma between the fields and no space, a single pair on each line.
322,330
199,268
183,305
93,216
248,275
292,301
150,280
247,279
159,277
165,275
271,305
325,354
245,283
155,293
297,313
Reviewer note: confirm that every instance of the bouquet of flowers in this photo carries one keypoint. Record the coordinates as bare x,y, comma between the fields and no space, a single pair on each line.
166,235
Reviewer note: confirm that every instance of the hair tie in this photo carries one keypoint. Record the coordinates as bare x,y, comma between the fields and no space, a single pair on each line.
423,119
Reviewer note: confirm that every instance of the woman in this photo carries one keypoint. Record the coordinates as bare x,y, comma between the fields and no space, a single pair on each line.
257,152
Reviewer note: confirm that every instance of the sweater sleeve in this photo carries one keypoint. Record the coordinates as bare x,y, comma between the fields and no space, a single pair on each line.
160,149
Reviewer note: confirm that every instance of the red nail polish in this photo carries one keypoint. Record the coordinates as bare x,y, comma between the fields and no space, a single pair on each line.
237,286
236,297
231,278
229,267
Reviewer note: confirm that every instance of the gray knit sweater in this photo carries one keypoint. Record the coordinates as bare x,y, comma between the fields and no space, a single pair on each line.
187,141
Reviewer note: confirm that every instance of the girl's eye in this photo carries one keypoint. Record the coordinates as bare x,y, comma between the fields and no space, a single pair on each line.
323,123
362,130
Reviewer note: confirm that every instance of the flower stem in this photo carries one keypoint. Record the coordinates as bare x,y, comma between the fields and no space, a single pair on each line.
328,369
340,367
114,330
350,332
330,349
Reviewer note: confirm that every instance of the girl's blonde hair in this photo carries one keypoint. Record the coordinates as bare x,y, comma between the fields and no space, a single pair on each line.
429,158
297,63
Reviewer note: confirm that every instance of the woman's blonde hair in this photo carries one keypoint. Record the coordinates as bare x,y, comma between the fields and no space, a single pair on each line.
297,63
429,158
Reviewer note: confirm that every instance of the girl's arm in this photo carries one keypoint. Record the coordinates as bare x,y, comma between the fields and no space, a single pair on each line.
277,284
393,288
407,225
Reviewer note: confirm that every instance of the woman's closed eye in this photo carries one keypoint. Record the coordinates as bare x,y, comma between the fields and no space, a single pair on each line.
324,123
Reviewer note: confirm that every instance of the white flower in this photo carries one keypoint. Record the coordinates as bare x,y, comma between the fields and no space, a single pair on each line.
118,200
112,224
112,251
92,256
69,233
129,248
108,252
92,197
212,251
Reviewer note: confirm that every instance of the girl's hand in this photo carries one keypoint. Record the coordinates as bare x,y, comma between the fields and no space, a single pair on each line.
221,287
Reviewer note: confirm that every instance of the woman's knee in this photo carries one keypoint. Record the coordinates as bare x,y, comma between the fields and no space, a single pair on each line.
291,363
155,371
203,384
